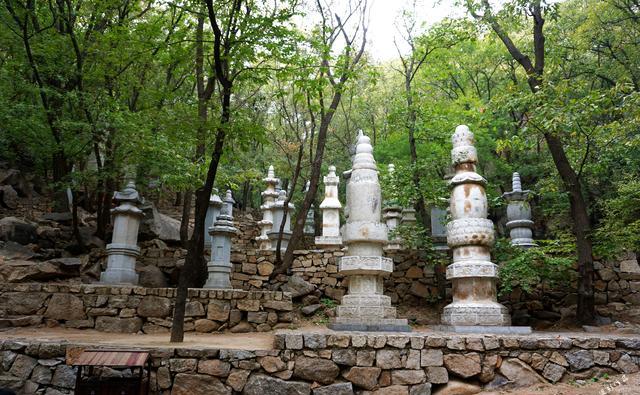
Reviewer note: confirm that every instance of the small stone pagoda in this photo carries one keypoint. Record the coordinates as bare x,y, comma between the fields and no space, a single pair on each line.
123,250
219,267
365,307
470,235
268,200
519,220
330,207
215,203
392,214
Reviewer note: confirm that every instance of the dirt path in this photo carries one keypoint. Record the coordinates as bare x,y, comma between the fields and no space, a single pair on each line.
239,341
628,384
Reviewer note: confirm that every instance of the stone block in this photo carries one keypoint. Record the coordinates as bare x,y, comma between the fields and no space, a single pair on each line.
431,357
364,377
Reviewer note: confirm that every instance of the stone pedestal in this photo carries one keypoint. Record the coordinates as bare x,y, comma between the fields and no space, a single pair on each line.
268,198
470,235
278,217
365,307
219,267
330,207
519,220
123,250
215,203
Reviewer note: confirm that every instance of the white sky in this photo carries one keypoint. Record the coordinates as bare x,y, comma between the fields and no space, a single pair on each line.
385,13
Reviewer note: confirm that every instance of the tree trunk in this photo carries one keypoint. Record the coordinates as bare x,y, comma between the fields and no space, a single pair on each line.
184,219
581,228
194,266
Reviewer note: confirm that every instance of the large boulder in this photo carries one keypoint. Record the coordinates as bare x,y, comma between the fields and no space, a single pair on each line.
156,225
298,287
260,384
16,271
65,307
13,250
152,277
8,197
463,365
18,230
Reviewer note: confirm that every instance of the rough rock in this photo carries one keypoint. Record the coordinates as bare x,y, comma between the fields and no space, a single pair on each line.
316,369
346,356
218,310
298,287
407,376
260,384
272,364
520,373
388,359
421,389
18,230
152,277
22,366
154,306
64,376
580,359
156,225
431,357
8,197
455,387
242,327
205,326
311,309
463,365
366,378
23,303
553,372
13,250
335,389
65,307
198,384
238,378
437,374
214,367
392,390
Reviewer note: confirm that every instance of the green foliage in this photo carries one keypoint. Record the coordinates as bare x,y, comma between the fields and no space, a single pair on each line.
549,264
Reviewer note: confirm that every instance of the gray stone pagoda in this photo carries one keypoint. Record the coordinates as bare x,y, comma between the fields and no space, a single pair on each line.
392,215
278,210
365,307
330,208
269,196
470,235
123,250
215,204
519,220
219,267
309,221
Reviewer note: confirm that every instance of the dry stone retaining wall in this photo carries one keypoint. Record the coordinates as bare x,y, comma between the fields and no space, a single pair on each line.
341,363
134,309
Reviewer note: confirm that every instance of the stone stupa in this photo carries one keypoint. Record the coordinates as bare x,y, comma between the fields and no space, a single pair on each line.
365,307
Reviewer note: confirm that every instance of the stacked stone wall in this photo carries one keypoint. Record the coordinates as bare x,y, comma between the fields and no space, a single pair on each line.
340,363
137,309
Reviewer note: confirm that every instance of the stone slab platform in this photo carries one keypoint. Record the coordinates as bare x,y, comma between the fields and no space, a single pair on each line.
484,329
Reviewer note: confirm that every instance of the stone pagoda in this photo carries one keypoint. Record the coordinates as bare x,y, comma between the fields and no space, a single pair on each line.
309,221
392,214
365,307
215,203
269,199
330,207
519,220
123,250
470,235
220,267
278,217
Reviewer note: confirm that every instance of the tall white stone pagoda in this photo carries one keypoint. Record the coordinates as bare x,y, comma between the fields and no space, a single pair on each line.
470,235
365,307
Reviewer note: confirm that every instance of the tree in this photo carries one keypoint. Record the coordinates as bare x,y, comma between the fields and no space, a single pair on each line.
245,34
571,179
349,30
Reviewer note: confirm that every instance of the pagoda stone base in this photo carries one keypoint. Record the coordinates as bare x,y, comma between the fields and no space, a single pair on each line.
474,313
370,324
484,329
328,240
